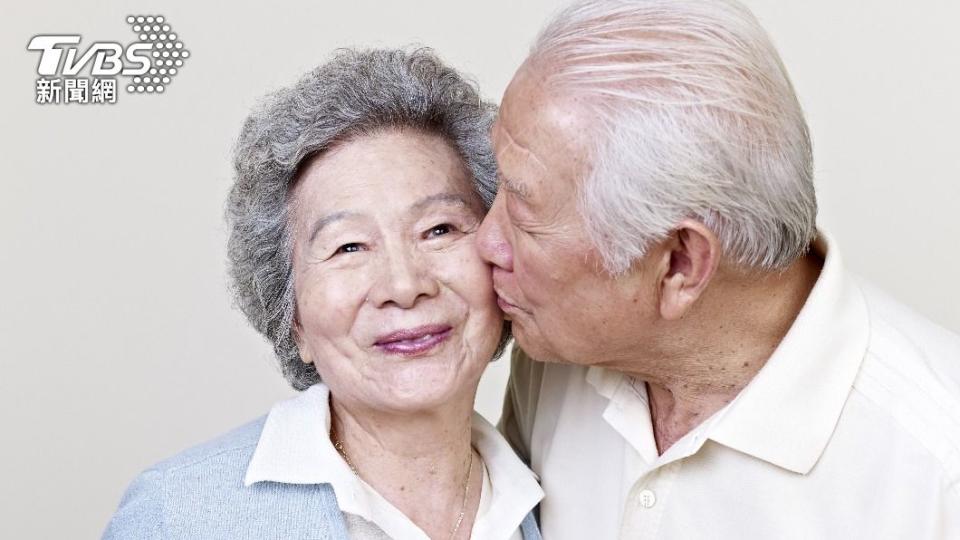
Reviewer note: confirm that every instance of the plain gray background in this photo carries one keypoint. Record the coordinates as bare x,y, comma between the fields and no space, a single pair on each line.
118,342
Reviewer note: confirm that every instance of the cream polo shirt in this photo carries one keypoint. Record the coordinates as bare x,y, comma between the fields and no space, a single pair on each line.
294,447
851,430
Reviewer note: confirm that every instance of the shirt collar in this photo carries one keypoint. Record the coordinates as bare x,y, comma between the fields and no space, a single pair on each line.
515,490
788,412
295,448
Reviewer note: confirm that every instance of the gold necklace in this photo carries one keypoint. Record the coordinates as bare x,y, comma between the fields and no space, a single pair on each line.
343,453
463,504
338,444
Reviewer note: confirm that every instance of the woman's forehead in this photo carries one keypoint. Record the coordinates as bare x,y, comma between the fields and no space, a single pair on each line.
388,172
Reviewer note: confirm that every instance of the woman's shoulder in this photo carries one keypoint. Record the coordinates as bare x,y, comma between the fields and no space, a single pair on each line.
227,451
200,493
145,508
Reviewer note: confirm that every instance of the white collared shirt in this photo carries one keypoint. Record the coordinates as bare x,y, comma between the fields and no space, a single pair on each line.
850,430
294,447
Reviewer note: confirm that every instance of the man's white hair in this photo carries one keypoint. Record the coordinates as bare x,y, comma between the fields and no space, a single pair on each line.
695,118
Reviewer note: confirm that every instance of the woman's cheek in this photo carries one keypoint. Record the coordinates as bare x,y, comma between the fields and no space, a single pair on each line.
475,286
465,273
331,302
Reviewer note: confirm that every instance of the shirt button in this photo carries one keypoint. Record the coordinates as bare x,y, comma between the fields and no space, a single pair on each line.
647,499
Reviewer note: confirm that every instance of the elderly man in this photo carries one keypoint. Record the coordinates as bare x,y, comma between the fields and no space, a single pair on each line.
696,362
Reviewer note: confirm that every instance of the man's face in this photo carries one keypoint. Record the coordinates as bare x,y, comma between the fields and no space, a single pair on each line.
546,272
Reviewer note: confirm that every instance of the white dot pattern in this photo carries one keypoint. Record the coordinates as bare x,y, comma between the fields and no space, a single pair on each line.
166,51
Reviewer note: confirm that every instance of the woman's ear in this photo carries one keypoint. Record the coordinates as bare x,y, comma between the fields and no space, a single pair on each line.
691,256
302,349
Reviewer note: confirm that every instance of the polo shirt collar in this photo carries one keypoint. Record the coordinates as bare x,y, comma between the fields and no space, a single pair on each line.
788,412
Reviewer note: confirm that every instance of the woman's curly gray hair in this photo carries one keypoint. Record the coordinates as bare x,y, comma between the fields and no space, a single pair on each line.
355,93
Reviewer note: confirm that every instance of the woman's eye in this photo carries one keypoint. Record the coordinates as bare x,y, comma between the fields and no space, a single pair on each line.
438,230
352,247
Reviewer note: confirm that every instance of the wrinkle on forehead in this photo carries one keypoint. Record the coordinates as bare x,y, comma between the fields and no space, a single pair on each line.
533,111
514,145
540,139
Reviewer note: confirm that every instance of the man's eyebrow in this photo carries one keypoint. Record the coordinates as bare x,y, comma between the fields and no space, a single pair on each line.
327,220
517,188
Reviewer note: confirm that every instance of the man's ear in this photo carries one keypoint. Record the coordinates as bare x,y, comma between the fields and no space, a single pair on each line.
690,258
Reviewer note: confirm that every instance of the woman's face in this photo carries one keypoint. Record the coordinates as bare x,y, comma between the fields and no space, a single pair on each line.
394,306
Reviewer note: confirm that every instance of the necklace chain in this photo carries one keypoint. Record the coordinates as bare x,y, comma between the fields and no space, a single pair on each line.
343,453
338,444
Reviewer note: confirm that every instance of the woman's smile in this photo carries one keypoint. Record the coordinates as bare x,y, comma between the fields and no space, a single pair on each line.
414,341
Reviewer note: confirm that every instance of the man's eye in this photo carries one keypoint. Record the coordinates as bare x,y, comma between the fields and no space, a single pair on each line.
352,247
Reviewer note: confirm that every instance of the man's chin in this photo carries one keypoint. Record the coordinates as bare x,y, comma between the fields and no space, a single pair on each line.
532,343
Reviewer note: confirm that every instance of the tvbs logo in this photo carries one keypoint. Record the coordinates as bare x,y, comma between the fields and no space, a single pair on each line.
150,63
108,57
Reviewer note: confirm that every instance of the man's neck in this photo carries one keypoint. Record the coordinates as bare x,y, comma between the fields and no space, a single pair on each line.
705,360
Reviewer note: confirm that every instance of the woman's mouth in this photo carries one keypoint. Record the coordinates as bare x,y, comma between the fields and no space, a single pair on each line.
414,341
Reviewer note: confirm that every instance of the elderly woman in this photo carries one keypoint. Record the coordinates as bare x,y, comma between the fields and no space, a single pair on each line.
357,196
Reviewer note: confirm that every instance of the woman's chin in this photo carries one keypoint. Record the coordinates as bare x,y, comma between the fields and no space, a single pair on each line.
425,387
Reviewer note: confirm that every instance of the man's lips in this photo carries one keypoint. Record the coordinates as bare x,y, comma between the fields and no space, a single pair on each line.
414,341
505,304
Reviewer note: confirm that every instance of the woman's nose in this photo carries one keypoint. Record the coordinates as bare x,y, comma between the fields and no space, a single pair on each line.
492,243
405,278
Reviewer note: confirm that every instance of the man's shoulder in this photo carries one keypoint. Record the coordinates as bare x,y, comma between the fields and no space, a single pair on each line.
911,373
532,380
532,384
913,348
532,368
898,330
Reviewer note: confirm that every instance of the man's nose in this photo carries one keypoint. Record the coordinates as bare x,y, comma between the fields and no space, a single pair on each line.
492,242
405,279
